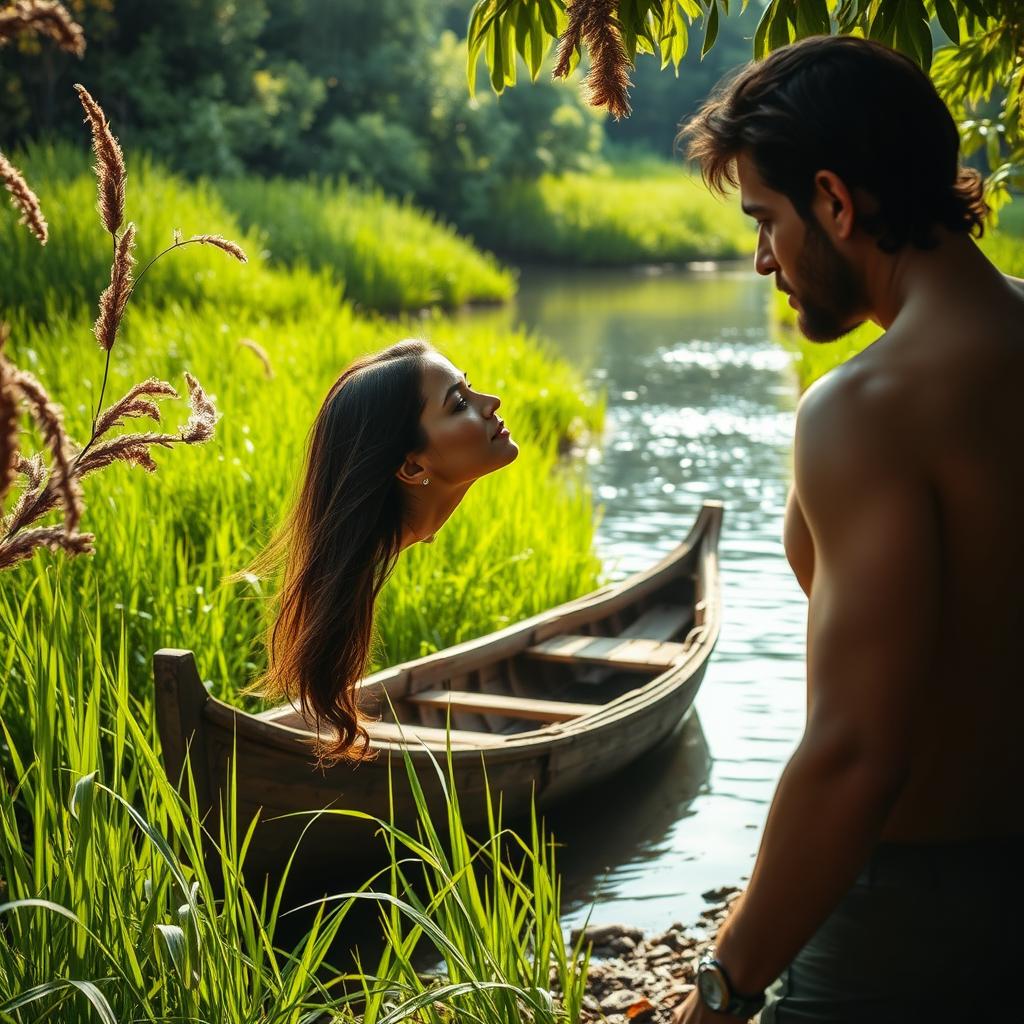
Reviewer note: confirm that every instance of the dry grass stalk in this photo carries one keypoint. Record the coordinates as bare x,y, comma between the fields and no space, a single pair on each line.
24,200
40,498
261,354
36,472
198,429
134,403
45,18
115,295
50,421
25,544
9,417
232,248
595,23
110,170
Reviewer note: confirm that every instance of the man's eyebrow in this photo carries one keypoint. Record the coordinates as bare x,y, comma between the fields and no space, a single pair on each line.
455,387
753,209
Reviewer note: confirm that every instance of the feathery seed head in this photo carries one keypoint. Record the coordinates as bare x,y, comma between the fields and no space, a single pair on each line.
24,199
115,295
45,18
110,169
232,248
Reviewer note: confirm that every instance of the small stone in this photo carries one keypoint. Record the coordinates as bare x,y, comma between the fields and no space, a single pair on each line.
619,1001
660,952
623,944
591,1004
717,895
603,934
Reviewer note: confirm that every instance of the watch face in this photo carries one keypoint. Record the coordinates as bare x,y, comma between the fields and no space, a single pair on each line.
712,987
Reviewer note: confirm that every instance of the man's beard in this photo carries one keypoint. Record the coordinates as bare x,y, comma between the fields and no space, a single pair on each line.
830,295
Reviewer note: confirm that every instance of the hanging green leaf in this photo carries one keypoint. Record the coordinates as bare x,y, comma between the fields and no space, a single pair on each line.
711,33
948,19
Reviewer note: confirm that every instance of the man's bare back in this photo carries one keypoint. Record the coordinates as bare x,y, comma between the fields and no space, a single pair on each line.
956,370
904,529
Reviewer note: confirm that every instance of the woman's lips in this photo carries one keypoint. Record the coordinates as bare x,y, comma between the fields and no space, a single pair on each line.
501,432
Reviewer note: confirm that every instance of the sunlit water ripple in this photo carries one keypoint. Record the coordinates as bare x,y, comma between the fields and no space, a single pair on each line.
700,405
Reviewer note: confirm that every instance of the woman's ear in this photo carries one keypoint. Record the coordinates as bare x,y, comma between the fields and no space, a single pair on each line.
411,472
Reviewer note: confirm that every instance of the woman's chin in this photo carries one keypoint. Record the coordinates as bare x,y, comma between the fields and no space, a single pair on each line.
511,451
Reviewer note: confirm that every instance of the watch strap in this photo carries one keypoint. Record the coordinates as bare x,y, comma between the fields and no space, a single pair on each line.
740,1004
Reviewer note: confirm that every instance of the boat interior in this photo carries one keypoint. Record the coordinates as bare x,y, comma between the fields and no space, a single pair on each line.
556,680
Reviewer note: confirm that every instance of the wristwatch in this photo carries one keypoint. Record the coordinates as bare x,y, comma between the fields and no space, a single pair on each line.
717,993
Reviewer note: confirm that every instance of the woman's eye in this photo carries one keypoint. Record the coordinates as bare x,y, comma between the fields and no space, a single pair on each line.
461,403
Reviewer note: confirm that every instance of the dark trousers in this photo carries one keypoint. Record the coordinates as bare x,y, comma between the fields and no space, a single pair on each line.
930,933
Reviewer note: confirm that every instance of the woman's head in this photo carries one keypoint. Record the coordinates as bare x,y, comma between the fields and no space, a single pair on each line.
399,438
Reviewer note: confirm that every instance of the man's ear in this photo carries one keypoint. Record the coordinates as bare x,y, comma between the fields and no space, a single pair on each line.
411,471
834,205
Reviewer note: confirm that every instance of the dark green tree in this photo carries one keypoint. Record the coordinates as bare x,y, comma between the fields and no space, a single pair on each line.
979,67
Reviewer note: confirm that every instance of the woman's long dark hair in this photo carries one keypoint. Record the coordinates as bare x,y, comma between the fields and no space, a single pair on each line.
340,543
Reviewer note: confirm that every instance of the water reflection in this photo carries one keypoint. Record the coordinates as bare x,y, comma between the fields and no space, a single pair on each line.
700,404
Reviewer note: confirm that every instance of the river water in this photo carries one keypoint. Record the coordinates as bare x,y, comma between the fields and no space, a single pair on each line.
701,405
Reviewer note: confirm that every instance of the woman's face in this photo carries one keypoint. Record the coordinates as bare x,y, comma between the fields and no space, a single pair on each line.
466,439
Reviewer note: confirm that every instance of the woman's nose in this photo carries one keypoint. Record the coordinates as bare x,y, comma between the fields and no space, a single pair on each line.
491,404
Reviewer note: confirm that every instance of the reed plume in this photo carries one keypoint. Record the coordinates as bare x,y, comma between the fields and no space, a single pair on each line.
134,403
59,485
260,353
232,248
24,200
45,18
9,454
50,421
595,23
115,295
26,543
110,170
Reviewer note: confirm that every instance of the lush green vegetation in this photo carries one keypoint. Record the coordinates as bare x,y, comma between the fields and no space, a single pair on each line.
106,918
390,255
383,255
107,915
634,211
1005,247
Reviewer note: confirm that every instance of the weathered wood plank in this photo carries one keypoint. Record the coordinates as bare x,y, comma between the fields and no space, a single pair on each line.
638,654
392,732
502,704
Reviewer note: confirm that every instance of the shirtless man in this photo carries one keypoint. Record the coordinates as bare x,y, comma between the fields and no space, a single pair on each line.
888,886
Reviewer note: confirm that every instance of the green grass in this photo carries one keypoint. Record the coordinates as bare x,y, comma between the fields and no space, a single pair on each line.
381,254
641,211
109,912
122,921
814,359
165,541
390,255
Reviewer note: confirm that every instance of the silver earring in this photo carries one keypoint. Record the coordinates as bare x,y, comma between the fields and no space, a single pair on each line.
426,480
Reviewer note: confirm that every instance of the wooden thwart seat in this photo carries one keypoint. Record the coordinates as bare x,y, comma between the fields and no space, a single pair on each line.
638,655
392,732
502,704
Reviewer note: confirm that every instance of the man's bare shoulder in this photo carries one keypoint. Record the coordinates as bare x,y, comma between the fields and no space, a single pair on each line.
856,405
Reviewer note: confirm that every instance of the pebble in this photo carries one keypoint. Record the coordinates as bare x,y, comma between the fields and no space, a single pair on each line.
638,979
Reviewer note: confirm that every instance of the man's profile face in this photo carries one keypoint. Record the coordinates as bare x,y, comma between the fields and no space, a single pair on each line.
823,288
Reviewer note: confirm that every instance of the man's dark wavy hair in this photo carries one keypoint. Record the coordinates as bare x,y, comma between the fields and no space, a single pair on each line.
854,107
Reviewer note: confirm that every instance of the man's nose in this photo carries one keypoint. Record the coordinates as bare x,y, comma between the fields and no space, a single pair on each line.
764,259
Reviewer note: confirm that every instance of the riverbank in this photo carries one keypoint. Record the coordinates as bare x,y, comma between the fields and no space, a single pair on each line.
630,213
641,977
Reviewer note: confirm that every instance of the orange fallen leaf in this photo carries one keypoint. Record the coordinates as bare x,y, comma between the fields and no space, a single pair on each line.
639,1008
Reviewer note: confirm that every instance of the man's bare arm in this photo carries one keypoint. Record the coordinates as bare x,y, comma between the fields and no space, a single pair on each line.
872,635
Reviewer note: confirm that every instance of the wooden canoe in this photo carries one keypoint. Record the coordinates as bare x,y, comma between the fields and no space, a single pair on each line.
547,706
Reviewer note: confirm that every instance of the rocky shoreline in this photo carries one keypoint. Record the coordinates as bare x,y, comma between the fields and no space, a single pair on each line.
643,978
